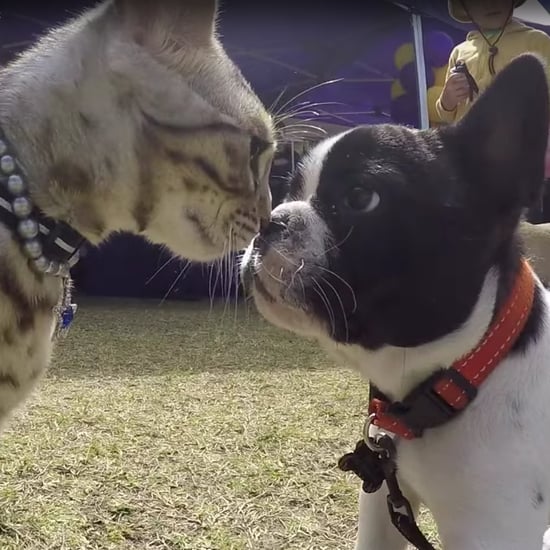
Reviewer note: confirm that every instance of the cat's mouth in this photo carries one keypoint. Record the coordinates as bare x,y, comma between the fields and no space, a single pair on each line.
201,229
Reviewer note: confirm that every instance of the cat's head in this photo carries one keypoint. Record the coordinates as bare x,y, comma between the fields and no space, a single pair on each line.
389,233
138,121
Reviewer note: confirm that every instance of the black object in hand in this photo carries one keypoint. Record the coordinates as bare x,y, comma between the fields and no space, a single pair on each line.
460,67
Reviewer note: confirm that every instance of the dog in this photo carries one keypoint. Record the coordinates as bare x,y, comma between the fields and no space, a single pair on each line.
398,251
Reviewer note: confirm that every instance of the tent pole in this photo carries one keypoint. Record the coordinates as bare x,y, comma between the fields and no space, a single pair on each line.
416,22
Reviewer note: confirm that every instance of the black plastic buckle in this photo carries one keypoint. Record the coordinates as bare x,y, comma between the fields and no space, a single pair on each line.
365,464
423,408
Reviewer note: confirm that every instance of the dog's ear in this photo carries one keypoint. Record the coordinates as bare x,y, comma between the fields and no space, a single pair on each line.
500,144
154,22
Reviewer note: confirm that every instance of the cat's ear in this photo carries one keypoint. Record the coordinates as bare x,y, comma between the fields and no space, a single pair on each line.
181,21
500,144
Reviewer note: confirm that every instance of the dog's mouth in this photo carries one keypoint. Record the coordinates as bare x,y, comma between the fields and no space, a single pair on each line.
272,274
268,277
288,273
260,287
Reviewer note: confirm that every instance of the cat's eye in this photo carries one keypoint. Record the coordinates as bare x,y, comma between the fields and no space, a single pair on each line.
258,146
362,199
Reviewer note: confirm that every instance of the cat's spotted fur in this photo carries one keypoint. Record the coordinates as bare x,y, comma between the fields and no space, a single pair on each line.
130,118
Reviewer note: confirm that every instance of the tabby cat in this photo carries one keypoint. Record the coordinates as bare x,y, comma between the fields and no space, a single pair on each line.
129,118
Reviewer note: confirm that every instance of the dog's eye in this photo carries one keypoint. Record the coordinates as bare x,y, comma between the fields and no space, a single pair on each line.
361,199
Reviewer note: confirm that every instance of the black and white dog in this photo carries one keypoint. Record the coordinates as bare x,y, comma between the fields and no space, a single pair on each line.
397,251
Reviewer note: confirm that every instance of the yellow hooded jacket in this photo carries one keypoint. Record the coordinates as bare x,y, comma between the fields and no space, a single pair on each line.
474,51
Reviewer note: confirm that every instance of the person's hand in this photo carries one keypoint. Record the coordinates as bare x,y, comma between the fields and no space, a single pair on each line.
455,91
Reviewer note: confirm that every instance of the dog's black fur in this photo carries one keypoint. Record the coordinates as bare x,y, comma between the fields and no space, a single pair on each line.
450,202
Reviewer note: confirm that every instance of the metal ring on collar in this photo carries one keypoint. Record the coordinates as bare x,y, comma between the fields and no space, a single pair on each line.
370,442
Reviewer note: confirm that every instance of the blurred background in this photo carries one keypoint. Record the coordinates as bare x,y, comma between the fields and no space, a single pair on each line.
321,69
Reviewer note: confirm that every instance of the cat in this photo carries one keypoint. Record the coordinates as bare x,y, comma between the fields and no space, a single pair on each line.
131,117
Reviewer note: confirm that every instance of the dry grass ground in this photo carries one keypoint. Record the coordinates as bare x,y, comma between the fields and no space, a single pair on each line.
182,428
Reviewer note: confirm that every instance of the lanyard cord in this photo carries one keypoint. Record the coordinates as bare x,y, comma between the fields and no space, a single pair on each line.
493,49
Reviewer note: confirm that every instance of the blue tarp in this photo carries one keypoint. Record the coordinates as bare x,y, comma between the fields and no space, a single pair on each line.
284,49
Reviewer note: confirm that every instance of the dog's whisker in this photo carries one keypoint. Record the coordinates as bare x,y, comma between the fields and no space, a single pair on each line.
301,281
296,273
275,278
341,279
280,252
341,302
337,245
324,298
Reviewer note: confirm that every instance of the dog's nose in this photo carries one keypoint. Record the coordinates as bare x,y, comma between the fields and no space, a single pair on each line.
264,223
273,228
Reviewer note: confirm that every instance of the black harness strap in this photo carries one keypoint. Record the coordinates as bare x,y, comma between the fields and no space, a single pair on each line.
373,468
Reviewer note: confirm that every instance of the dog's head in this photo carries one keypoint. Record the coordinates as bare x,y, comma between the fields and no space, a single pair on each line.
389,233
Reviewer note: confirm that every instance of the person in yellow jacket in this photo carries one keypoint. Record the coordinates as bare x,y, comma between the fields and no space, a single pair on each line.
499,38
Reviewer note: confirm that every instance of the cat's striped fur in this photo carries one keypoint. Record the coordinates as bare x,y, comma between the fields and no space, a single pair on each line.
130,118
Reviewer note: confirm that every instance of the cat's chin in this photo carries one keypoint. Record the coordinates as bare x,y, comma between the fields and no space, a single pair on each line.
199,247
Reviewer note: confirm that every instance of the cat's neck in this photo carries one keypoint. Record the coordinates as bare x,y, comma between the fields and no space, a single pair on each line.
56,108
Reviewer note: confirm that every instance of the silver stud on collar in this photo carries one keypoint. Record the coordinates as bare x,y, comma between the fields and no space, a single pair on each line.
41,264
7,164
33,248
16,185
28,229
22,208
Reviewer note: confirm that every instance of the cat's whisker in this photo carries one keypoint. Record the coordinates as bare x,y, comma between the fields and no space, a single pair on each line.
306,91
229,273
304,130
298,137
214,269
280,95
280,122
307,107
236,285
164,265
222,271
183,271
302,125
296,115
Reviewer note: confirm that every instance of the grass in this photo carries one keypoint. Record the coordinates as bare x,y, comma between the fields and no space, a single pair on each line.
177,427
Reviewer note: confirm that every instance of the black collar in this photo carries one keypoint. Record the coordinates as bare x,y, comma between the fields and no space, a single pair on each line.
52,246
